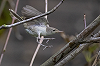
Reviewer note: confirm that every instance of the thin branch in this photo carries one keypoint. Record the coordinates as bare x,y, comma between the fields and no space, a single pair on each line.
85,20
5,45
46,7
27,20
37,49
72,44
76,52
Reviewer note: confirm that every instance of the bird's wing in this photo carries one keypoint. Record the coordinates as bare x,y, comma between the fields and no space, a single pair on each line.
29,11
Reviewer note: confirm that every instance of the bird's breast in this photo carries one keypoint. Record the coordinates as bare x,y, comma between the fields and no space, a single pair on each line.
36,29
41,30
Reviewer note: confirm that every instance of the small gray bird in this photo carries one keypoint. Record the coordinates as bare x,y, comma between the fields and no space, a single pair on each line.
38,27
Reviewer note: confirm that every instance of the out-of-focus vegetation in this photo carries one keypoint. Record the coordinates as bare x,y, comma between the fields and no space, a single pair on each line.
4,14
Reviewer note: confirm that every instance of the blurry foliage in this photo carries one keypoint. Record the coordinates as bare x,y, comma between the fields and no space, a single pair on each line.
5,16
90,52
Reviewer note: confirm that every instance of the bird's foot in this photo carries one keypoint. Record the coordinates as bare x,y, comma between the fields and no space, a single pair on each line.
45,46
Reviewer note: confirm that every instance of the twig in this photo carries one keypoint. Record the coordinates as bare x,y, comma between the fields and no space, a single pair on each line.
5,45
85,20
2,6
37,49
72,44
27,20
46,7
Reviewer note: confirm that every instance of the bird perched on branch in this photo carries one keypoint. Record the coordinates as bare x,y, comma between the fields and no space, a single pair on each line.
38,27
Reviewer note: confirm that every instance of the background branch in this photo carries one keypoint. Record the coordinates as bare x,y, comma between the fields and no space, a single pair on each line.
5,45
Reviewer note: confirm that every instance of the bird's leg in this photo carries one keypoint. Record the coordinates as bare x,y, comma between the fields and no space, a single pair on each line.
38,38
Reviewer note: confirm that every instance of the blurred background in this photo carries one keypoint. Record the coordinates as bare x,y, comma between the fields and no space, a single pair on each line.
68,18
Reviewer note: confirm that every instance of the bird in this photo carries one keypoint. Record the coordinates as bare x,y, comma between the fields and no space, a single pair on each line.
38,27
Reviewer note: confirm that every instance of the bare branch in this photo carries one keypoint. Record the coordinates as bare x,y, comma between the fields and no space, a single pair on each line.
46,7
37,49
76,52
5,45
27,20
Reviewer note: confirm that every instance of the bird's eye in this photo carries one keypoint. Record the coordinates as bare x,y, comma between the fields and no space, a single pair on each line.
53,30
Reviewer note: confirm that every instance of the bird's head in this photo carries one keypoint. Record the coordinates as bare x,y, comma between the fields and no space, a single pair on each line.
51,30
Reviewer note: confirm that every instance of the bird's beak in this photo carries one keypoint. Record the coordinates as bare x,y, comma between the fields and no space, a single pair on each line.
59,31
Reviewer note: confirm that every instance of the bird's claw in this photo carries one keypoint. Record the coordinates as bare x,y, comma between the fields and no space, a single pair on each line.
47,47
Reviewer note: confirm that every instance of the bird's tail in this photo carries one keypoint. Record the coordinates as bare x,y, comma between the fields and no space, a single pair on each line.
15,15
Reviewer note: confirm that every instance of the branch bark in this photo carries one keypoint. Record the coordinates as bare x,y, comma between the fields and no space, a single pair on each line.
91,40
76,52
